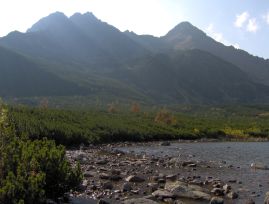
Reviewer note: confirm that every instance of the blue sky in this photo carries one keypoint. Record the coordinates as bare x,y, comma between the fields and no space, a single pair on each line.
242,23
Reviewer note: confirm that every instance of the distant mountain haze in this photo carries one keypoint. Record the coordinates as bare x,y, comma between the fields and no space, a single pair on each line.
19,76
82,56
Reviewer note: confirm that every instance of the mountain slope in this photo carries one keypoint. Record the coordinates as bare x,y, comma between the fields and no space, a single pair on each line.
194,76
187,36
108,37
22,77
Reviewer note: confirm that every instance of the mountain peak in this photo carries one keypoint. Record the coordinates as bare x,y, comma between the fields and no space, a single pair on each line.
54,19
88,16
184,28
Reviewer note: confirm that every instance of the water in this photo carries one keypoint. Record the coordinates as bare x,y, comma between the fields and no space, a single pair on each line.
255,183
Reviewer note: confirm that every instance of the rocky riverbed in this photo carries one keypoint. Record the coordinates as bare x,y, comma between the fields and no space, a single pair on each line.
112,175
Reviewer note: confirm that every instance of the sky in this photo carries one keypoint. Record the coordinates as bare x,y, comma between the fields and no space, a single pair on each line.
241,23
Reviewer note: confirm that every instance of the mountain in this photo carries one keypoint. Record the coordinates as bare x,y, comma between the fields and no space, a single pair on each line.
56,38
81,40
86,57
21,76
195,76
187,36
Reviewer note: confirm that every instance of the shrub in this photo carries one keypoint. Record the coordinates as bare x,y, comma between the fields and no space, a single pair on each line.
163,116
31,171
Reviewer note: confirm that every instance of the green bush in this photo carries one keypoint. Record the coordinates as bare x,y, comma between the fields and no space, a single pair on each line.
32,171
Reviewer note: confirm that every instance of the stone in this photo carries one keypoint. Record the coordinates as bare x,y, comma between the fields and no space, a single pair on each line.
49,201
266,200
171,177
165,143
139,201
170,186
101,201
153,186
115,178
104,176
88,174
84,185
163,194
188,163
182,190
108,185
218,191
168,201
126,187
216,200
249,201
115,172
259,166
135,191
232,195
102,162
135,179
178,202
227,188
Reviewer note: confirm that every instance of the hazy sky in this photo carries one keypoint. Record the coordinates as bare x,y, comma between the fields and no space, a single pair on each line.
242,23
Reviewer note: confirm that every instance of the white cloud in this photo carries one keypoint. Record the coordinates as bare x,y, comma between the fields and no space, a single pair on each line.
210,30
252,25
241,19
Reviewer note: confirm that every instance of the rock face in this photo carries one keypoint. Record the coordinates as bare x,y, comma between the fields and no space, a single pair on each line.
183,190
139,201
